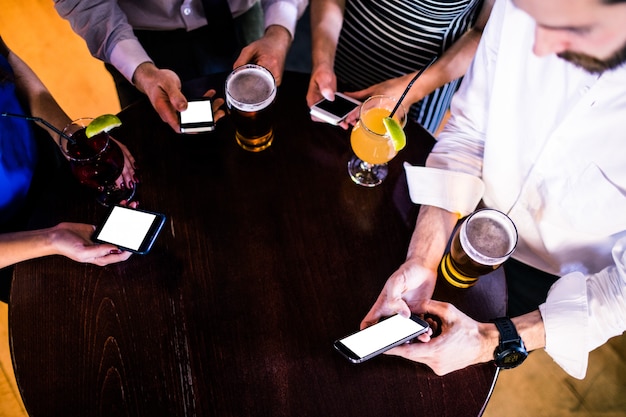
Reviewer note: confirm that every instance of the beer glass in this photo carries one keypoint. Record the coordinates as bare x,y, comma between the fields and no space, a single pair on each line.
250,92
480,245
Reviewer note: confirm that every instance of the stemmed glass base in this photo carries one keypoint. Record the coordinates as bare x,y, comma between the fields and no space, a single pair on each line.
365,174
114,195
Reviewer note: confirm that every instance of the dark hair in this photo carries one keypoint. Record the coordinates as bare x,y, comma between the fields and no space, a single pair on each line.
6,76
613,1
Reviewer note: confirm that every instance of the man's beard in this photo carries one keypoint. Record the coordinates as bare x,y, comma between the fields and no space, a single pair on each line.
595,65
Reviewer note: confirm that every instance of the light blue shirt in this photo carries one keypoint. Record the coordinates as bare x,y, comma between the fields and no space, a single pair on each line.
107,25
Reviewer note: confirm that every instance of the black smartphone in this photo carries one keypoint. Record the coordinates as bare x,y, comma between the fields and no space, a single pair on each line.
130,229
336,111
380,337
198,117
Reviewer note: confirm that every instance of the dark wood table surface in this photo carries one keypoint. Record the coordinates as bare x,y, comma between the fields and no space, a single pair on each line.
264,261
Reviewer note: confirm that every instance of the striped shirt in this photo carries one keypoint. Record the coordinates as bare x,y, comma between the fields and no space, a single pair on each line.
386,39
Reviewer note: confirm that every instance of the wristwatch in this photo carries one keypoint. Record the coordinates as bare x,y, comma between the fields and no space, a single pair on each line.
511,351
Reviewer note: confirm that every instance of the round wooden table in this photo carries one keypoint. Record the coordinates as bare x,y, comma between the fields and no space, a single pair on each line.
264,261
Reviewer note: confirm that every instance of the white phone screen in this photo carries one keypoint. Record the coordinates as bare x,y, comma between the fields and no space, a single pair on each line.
381,335
126,227
197,112
339,107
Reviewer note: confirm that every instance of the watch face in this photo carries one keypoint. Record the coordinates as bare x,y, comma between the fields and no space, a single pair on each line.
511,357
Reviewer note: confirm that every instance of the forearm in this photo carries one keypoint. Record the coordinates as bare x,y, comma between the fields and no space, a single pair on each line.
326,23
34,94
280,37
21,246
455,61
531,329
72,240
101,24
283,13
452,64
430,237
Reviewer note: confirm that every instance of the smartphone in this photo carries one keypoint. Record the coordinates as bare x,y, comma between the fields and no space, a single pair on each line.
380,337
334,112
130,229
198,117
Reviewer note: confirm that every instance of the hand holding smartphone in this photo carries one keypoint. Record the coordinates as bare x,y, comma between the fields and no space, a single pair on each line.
334,112
130,229
198,117
380,337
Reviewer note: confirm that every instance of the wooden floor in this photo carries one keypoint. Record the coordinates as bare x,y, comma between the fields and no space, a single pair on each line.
538,388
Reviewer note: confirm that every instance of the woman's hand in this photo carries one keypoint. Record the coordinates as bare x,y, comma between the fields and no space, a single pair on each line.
73,240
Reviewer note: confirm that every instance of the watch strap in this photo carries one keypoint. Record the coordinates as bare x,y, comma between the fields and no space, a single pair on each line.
511,351
508,332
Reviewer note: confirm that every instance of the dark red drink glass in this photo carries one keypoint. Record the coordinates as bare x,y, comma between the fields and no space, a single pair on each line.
96,162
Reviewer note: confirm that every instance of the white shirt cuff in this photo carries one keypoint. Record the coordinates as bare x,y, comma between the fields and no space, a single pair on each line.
565,320
282,14
127,55
454,191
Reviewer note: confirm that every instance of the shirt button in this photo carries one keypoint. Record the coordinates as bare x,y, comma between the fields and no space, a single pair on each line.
187,11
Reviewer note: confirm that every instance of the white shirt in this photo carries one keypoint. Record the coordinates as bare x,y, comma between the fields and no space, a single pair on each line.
107,25
547,140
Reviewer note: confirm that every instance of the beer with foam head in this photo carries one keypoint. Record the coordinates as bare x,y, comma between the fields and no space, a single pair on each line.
250,93
480,245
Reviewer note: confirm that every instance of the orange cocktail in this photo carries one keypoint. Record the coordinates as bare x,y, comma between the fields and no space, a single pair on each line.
371,142
369,138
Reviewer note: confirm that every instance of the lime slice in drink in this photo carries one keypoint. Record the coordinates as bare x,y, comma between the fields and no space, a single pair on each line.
102,123
398,138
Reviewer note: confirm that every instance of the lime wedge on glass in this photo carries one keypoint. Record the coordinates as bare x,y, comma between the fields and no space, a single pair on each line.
398,138
102,123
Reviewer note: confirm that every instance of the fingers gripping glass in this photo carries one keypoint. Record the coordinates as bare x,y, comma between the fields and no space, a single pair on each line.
97,162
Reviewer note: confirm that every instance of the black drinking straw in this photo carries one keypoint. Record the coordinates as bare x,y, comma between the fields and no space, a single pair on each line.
40,120
408,87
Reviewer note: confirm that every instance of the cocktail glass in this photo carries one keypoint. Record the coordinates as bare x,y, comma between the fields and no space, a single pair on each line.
371,143
96,162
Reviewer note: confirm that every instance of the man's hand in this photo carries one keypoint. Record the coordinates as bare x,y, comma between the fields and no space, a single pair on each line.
270,51
404,292
217,105
163,88
462,342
